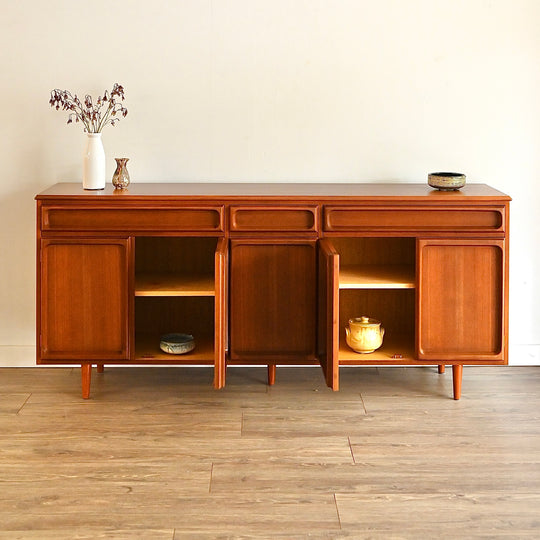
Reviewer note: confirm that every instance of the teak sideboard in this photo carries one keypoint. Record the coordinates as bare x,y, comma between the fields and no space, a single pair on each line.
271,273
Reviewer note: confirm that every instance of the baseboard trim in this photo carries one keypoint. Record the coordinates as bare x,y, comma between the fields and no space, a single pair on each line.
524,355
17,356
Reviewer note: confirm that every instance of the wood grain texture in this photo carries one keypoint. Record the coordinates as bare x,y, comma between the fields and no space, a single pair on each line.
221,284
90,276
80,532
12,403
281,218
174,285
183,256
256,190
146,220
461,303
476,515
328,314
377,277
273,300
158,454
413,218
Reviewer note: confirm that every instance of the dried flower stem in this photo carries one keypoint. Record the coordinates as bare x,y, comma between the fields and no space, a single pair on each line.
90,114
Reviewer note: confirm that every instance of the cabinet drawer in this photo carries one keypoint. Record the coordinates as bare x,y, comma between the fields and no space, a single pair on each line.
139,219
274,218
414,218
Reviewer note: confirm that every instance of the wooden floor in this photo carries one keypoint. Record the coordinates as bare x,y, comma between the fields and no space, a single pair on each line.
156,453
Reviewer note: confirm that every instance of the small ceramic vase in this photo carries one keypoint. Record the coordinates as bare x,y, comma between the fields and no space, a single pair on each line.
120,177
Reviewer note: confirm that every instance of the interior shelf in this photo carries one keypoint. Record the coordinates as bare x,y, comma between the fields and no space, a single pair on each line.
394,308
394,349
175,291
147,350
174,285
356,276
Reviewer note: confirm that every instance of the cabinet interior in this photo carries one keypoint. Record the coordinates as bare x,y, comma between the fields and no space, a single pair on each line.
377,279
174,293
172,266
375,263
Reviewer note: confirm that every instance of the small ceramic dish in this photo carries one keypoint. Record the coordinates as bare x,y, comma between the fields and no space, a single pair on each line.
446,181
177,343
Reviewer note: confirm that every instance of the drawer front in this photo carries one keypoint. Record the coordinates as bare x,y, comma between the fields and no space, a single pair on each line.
414,218
201,219
274,218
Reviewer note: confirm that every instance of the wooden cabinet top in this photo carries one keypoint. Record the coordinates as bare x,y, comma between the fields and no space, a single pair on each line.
282,191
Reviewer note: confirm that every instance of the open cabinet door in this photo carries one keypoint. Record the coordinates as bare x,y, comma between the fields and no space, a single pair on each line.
328,335
220,309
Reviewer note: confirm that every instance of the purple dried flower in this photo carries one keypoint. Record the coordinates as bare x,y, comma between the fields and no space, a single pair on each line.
94,117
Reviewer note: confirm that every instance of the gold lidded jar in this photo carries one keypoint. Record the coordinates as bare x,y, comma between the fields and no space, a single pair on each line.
364,335
120,177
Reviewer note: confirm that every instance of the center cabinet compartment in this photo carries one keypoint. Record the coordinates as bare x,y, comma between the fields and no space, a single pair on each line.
372,277
180,286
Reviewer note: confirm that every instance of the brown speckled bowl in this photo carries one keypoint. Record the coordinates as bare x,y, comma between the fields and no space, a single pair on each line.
446,181
177,343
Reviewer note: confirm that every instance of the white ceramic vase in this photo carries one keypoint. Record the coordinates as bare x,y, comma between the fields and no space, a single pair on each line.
94,162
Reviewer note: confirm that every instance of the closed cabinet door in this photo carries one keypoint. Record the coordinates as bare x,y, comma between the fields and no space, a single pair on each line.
84,300
273,300
462,311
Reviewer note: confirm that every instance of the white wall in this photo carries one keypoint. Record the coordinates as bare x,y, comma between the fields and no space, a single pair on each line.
250,90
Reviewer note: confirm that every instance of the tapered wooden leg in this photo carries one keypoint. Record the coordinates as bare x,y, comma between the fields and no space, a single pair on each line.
271,374
457,372
100,368
219,376
442,368
86,375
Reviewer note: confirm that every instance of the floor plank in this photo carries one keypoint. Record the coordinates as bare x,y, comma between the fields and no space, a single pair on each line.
271,513
12,403
448,515
303,422
142,449
379,477
89,533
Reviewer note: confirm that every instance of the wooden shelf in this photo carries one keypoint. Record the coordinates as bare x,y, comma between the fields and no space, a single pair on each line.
174,285
377,277
388,353
147,351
